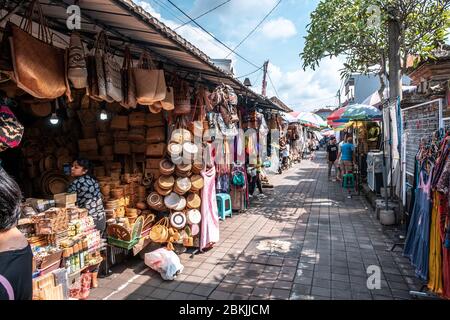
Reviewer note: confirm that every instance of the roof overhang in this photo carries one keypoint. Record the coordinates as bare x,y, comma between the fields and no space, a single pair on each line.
129,24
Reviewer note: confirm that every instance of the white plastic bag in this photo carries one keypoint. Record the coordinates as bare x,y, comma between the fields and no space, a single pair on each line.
164,261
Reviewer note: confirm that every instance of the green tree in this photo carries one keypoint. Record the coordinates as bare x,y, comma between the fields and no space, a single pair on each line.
358,31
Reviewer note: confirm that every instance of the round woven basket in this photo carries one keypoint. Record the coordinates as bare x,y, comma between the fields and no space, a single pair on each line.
155,201
166,167
197,183
182,205
193,201
172,200
180,136
166,182
160,191
184,168
197,168
193,216
182,185
178,220
174,150
189,151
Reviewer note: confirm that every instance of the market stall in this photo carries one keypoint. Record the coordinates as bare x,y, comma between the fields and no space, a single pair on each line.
153,131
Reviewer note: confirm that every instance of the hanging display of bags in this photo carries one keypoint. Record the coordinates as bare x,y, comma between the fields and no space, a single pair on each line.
182,97
39,67
77,67
128,84
150,82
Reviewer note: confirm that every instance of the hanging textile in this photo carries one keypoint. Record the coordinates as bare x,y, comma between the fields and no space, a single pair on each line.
418,237
435,257
209,234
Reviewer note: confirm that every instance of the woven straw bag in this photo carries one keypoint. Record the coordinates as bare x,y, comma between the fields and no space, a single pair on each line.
160,231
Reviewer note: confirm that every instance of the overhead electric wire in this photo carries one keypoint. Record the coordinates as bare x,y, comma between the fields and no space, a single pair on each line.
213,36
203,14
270,79
172,13
248,74
254,29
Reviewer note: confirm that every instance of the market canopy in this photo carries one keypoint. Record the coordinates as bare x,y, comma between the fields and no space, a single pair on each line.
309,119
127,23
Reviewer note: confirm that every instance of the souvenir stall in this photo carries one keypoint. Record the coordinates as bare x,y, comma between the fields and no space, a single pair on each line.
428,239
142,128
364,124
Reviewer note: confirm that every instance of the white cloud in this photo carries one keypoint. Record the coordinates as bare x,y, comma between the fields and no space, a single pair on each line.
194,35
305,90
279,28
147,7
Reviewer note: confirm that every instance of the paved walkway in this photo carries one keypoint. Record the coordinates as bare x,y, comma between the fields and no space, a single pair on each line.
306,240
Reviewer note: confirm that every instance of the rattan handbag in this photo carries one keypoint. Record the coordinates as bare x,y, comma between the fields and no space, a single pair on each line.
160,231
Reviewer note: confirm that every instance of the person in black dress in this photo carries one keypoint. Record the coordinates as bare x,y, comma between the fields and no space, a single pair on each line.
16,257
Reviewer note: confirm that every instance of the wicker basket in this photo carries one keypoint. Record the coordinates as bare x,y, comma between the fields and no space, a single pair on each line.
156,150
137,119
122,147
87,145
166,167
119,123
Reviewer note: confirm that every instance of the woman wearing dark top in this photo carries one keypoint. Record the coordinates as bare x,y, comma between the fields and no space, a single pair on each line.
16,258
89,197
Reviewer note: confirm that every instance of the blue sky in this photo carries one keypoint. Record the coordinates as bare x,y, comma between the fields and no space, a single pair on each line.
279,39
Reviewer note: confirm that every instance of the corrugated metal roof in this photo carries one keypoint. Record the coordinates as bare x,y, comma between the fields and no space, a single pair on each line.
127,23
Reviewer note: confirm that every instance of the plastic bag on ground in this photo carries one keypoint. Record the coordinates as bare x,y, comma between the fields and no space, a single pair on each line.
166,262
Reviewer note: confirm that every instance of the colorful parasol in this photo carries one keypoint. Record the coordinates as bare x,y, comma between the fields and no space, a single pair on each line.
356,112
312,120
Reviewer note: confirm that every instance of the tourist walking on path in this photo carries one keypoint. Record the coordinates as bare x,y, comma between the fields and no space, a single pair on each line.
332,153
347,153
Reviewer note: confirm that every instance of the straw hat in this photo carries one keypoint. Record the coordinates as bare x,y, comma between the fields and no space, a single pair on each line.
178,220
182,185
193,201
193,216
166,167
197,183
182,205
166,182
160,191
172,200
